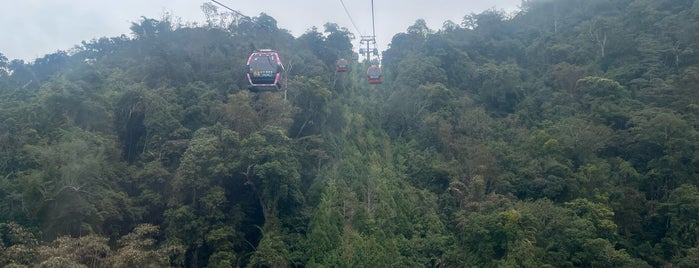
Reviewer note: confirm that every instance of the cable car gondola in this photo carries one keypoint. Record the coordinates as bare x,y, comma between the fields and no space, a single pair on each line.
265,71
373,74
341,65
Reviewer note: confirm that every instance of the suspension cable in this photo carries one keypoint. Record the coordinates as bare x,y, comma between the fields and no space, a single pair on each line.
350,18
373,26
232,10
373,31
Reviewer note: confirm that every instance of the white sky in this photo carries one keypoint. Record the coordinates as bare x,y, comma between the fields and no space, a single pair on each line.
30,29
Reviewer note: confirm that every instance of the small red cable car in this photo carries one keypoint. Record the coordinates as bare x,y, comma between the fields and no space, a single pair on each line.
374,74
341,65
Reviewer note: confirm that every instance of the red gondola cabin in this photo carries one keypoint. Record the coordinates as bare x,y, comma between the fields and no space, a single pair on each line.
341,65
373,74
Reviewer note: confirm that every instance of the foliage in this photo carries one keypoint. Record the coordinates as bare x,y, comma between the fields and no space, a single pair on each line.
561,135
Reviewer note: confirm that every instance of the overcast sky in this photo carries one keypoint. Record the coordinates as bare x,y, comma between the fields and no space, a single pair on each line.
33,28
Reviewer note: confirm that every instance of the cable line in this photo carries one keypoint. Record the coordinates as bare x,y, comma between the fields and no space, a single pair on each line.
373,26
232,10
350,18
370,41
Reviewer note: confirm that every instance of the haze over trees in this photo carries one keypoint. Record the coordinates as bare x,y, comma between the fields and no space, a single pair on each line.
563,135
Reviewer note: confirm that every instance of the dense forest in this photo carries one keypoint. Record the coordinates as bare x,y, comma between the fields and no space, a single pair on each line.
562,135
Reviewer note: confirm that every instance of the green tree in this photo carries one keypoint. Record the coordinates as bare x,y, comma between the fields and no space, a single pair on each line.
18,245
605,99
312,99
85,251
139,248
272,172
199,208
499,87
680,210
73,178
325,227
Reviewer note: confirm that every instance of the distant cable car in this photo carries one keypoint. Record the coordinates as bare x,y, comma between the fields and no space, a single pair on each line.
373,74
341,65
265,71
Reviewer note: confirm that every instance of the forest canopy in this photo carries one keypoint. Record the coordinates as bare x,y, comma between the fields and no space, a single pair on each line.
562,135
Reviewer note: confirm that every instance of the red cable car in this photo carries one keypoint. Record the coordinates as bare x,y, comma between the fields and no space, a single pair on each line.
265,71
341,65
373,74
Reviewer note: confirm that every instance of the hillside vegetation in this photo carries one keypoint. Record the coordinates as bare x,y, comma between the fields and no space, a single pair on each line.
564,135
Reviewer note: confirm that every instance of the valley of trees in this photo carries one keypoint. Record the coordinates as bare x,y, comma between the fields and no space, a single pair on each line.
563,135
